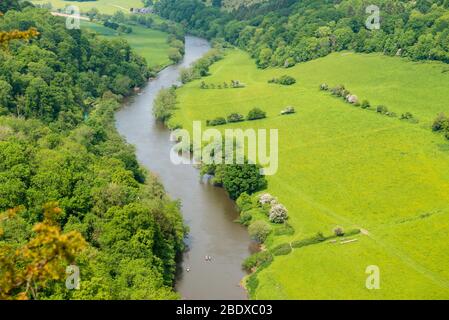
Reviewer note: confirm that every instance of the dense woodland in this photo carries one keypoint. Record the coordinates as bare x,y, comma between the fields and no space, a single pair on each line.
285,32
71,189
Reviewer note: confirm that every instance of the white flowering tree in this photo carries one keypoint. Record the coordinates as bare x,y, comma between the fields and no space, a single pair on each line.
278,214
266,198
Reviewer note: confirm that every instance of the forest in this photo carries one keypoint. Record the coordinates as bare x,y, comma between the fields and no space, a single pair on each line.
71,189
286,32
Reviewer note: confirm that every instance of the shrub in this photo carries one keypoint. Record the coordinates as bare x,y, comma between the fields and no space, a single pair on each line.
338,90
256,114
216,122
164,104
352,232
188,74
406,116
236,84
278,214
441,123
266,198
339,232
284,80
324,87
288,110
365,104
282,249
259,231
235,117
258,259
245,202
382,109
319,237
174,55
285,230
245,218
289,62
351,98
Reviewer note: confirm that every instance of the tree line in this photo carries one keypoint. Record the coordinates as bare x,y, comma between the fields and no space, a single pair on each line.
71,189
285,32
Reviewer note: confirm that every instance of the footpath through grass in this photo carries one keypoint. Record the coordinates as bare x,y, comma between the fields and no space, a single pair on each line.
341,165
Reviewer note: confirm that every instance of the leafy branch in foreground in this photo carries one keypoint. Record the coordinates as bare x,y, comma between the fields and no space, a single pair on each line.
26,270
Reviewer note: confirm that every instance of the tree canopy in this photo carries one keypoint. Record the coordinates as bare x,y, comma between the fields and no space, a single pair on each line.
71,189
284,32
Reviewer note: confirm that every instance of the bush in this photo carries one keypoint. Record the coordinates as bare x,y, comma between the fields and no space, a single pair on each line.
236,84
365,104
258,259
441,123
278,214
256,114
245,202
324,87
111,25
174,55
288,110
407,116
216,122
164,104
282,249
285,230
284,80
382,109
339,91
188,74
351,98
339,232
319,237
352,232
235,117
289,62
266,198
259,231
245,218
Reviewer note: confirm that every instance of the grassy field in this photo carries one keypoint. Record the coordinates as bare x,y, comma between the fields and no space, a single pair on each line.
104,6
342,165
151,44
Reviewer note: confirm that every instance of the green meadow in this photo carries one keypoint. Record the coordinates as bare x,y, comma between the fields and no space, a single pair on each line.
340,165
104,6
151,44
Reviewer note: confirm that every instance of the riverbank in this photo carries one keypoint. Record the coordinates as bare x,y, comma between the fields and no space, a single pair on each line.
207,210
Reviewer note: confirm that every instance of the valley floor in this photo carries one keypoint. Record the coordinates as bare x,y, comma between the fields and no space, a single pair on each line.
345,166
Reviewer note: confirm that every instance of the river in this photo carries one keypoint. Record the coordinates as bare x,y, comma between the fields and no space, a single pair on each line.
207,210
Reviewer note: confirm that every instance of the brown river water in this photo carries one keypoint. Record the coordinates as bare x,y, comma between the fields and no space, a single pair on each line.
207,210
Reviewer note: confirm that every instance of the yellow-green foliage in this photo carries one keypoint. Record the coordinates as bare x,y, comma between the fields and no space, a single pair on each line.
341,165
